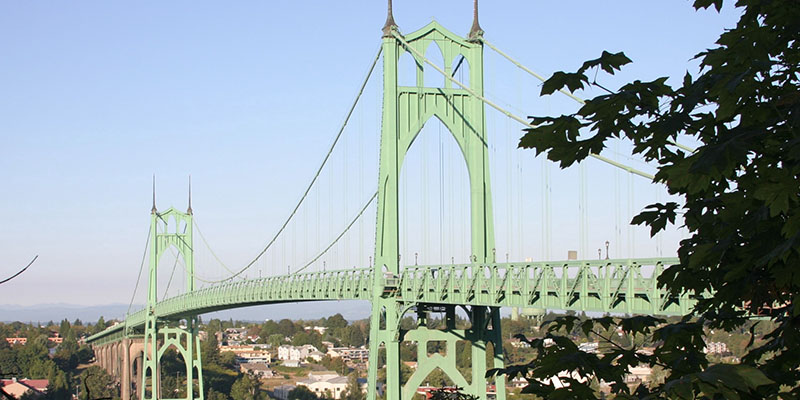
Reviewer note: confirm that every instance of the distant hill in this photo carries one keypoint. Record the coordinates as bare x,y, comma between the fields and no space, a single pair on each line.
350,310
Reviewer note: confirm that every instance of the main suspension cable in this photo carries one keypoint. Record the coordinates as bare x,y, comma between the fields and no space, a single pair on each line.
141,268
360,213
319,170
209,247
506,112
565,92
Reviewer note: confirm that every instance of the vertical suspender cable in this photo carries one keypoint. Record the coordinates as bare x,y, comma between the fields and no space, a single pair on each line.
509,225
581,210
425,201
617,209
441,197
631,239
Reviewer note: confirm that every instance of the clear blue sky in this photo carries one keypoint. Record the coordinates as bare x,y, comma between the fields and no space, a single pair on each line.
246,97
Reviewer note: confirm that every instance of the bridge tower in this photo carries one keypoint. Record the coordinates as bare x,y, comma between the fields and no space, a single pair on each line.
405,110
170,229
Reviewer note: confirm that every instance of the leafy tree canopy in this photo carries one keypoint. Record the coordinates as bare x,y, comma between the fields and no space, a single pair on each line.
740,194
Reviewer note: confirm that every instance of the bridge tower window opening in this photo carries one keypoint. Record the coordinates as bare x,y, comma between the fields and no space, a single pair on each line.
409,71
432,78
460,70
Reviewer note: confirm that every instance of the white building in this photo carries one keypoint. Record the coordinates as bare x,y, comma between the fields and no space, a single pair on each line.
715,348
248,354
287,352
349,354
324,383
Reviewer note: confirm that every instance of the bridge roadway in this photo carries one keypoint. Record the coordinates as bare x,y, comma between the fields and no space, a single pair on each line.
616,286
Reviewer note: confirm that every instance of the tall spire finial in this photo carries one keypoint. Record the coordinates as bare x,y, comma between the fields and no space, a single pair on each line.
153,210
189,211
387,27
475,32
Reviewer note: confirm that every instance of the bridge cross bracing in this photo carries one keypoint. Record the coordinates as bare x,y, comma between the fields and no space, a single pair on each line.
479,288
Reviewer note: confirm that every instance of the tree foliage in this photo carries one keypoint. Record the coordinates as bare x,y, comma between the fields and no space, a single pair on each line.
96,384
302,393
740,192
353,390
247,388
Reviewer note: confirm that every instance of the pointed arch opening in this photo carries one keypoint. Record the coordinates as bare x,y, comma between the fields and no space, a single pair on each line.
461,71
434,78
173,373
408,70
434,197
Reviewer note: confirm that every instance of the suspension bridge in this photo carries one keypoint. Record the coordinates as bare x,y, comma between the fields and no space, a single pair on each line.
477,286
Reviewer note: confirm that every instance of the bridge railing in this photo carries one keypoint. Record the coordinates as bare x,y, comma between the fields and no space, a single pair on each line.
626,286
328,285
616,286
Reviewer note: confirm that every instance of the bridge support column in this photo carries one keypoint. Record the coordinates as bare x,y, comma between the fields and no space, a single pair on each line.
125,379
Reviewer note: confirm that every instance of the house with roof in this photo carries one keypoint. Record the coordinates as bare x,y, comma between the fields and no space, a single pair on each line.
259,370
325,384
287,352
16,388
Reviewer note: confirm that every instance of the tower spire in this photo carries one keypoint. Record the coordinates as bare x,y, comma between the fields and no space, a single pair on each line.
153,210
475,33
387,27
189,210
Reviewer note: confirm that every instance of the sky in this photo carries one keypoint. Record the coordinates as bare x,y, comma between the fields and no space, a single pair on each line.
246,97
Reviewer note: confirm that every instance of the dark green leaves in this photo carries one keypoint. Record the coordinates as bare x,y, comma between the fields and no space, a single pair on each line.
609,62
658,216
572,81
739,200
698,4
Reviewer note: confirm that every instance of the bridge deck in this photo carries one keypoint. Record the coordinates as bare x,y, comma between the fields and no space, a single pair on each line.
615,286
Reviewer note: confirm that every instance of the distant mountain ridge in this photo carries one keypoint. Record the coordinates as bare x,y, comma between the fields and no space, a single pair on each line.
43,313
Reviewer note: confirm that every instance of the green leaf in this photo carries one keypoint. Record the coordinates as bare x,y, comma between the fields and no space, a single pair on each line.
572,80
698,4
609,62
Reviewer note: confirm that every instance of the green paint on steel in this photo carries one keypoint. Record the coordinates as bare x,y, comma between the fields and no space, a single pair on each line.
481,287
170,229
406,109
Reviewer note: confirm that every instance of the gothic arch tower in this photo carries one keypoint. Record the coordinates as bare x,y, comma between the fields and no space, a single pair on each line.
405,110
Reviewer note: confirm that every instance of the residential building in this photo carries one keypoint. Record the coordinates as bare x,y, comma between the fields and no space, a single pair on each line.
319,329
248,354
325,384
16,388
287,352
716,348
259,370
349,354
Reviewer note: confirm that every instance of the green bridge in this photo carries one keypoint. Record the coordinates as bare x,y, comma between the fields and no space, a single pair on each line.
132,350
